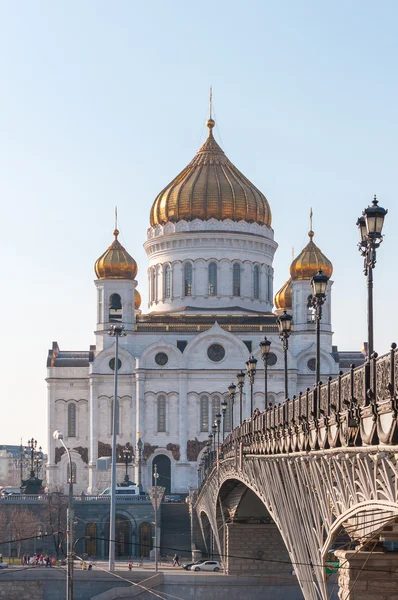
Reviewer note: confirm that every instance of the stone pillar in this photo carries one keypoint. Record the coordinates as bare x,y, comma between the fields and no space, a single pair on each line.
51,466
140,415
367,575
183,416
93,436
256,549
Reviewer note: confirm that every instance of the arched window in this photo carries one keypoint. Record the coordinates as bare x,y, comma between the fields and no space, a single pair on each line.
154,286
91,539
204,413
115,308
161,413
215,408
270,285
212,279
71,420
117,417
188,279
73,472
236,280
256,282
167,282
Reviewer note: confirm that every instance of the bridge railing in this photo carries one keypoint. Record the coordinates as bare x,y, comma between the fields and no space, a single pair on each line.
353,409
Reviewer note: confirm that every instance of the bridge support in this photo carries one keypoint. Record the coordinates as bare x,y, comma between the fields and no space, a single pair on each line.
256,549
367,575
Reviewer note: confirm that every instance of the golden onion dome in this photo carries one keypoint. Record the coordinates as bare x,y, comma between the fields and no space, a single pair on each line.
210,187
309,261
137,299
116,262
284,298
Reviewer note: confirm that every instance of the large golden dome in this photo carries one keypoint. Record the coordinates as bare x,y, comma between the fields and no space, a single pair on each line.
210,187
284,298
309,261
116,262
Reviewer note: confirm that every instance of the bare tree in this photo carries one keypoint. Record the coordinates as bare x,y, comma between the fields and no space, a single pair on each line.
22,523
55,519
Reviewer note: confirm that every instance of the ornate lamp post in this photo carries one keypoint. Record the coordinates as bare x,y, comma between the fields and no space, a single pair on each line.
139,448
241,382
232,393
210,446
126,455
115,331
284,322
319,284
218,421
265,347
370,226
214,431
251,370
224,406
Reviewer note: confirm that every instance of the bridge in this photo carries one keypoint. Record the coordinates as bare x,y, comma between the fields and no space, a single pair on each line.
315,473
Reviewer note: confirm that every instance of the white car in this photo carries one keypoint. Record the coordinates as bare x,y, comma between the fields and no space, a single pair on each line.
207,565
3,565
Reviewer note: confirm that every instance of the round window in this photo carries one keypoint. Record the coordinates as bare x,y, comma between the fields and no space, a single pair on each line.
216,352
311,364
161,359
112,364
272,359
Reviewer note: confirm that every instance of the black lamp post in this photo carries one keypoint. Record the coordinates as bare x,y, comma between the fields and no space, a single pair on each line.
139,448
218,421
224,406
370,227
319,284
214,430
265,347
210,446
126,455
251,373
284,322
232,393
241,382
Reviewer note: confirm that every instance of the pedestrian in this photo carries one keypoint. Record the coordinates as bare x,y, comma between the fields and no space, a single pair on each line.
1,557
176,560
130,565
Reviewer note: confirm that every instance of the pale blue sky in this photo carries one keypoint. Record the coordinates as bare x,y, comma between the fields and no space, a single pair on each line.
103,103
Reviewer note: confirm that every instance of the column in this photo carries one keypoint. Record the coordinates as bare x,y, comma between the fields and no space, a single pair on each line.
367,575
93,435
51,466
140,415
183,416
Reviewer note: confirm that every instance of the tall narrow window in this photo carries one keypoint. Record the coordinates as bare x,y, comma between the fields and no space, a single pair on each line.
215,408
117,417
161,413
256,282
236,280
204,413
270,284
228,416
73,472
212,279
188,279
167,282
115,308
72,420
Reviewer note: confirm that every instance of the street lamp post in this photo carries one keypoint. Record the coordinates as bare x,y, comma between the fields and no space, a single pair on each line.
58,435
218,421
139,447
251,373
370,226
209,445
115,331
224,406
127,456
32,444
214,431
284,322
265,347
232,394
241,382
319,284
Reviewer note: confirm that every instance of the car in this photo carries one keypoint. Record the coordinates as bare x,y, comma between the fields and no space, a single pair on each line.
3,565
187,566
131,490
172,498
207,565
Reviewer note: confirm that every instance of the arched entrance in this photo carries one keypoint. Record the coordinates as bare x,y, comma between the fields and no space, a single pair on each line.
163,464
145,539
123,538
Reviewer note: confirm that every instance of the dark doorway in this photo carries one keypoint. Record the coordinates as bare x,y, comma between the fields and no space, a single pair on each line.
145,540
123,546
163,464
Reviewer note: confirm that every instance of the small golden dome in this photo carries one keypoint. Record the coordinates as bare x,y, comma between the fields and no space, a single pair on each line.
309,261
137,299
210,187
116,262
284,298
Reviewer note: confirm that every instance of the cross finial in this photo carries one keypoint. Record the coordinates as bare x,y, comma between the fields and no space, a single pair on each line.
311,218
115,217
292,252
211,103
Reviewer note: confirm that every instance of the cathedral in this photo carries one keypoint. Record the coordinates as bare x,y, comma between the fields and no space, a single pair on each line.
210,248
